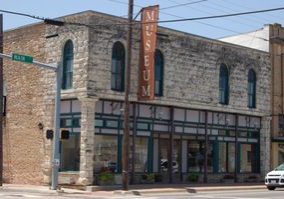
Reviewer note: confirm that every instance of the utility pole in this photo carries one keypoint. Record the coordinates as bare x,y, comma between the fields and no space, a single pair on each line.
1,101
55,151
125,151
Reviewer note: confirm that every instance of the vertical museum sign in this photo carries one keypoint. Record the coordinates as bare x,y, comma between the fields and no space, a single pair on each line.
149,17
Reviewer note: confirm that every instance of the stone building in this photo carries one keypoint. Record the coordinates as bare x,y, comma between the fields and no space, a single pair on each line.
270,39
205,90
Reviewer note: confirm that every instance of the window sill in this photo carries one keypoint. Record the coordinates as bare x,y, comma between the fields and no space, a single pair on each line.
67,90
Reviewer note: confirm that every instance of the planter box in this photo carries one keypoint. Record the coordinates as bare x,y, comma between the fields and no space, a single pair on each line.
229,181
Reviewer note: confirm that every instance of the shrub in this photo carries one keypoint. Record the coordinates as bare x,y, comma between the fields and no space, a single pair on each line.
192,177
148,177
106,177
228,177
158,177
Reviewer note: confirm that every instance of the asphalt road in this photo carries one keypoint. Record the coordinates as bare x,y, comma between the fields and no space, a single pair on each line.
242,194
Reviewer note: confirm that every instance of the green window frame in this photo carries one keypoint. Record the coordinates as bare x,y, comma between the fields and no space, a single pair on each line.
159,73
224,85
251,89
67,74
117,67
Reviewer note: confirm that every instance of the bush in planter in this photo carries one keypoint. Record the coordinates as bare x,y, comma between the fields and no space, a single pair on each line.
106,177
192,177
252,178
148,178
228,178
158,177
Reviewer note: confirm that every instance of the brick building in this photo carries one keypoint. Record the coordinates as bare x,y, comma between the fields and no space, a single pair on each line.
205,90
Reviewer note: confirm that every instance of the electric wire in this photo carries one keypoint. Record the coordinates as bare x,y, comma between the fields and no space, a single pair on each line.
256,19
162,21
182,4
249,8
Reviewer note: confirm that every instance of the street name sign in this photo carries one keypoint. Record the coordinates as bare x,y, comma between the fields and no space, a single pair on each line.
22,58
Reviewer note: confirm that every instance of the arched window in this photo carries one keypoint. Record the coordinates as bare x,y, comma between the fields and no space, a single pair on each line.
117,67
68,55
224,85
159,71
251,89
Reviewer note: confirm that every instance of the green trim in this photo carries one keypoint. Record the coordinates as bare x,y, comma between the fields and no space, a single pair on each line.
119,153
150,154
215,156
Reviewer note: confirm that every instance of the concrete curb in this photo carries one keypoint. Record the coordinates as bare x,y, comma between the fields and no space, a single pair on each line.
186,190
40,189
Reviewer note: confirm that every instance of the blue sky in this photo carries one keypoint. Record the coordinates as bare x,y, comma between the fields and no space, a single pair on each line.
213,28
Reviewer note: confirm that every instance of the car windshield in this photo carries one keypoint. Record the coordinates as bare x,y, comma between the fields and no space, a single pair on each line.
280,168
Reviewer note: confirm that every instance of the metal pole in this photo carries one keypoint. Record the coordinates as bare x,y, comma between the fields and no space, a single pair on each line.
1,101
125,152
236,149
171,143
206,149
55,152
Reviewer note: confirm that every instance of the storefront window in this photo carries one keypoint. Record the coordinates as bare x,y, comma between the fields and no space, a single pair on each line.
70,153
246,158
280,153
196,156
222,157
231,157
226,157
141,154
176,156
105,153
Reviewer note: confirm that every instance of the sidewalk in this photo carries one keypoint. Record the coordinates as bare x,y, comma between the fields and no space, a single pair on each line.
145,189
38,189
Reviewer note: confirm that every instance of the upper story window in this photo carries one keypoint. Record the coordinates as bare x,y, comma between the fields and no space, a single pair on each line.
68,55
251,89
117,67
223,85
159,71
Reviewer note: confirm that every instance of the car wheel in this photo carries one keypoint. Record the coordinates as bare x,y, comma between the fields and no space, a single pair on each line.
271,188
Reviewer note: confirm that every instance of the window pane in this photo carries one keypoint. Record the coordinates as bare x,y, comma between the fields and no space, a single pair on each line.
231,157
222,157
246,158
195,156
67,76
70,153
117,67
159,70
141,154
105,156
223,84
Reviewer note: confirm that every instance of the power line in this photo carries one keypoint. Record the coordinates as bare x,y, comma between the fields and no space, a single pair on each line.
182,4
22,14
259,20
201,18
220,16
164,21
230,19
212,26
241,6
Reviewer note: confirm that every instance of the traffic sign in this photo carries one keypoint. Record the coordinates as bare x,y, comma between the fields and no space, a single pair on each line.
22,58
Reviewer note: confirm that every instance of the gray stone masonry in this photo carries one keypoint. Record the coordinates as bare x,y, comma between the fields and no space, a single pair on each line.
88,108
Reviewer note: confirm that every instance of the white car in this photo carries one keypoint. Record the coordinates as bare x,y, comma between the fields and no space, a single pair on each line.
275,178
